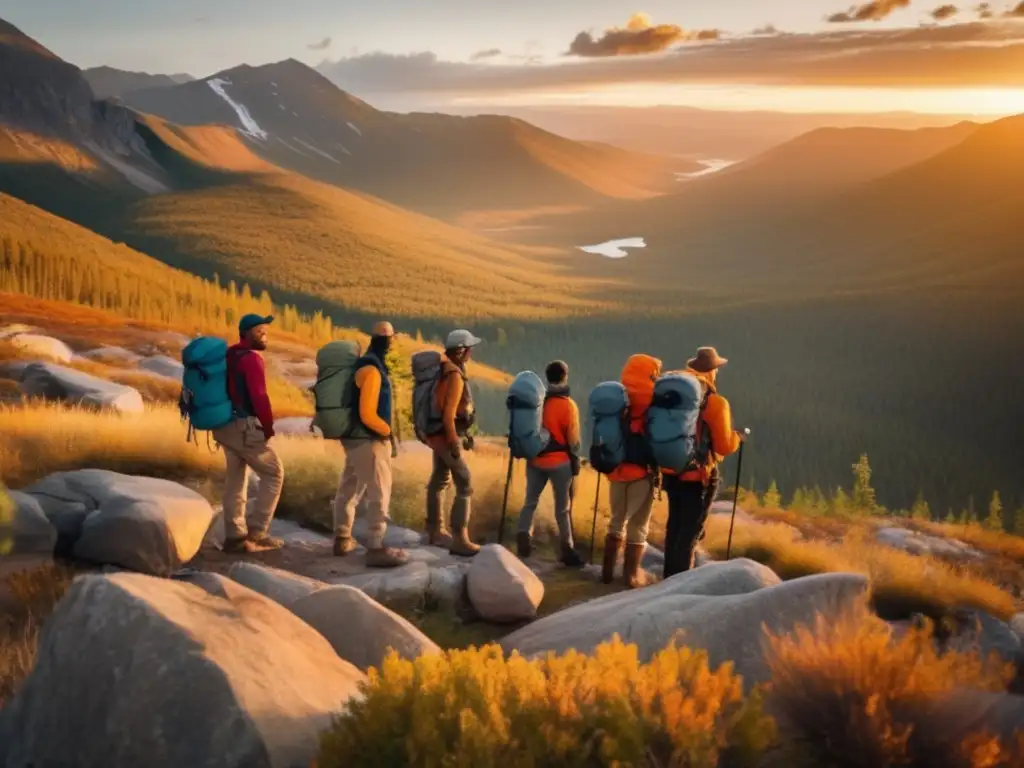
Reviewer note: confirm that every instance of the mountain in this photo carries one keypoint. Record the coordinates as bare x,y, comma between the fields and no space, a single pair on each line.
437,164
108,82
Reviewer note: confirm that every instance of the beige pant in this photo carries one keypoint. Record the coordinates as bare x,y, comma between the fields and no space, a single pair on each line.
245,447
367,475
632,504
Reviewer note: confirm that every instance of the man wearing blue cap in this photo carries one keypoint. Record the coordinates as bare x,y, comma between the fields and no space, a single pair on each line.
245,443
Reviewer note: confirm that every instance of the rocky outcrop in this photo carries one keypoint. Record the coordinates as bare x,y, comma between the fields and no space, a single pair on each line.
42,347
33,533
144,524
282,587
921,544
361,630
501,588
162,365
722,608
55,382
158,673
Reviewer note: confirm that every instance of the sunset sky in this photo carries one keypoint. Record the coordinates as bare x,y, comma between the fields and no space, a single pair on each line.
795,55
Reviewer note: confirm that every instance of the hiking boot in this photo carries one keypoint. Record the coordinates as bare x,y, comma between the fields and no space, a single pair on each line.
238,547
264,542
343,545
524,546
612,544
570,557
386,557
632,574
461,545
437,533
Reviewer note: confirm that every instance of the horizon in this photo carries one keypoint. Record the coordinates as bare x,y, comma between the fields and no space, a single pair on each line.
729,58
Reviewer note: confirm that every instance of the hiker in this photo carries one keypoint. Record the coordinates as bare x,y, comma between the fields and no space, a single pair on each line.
559,466
245,440
632,483
691,493
454,401
369,449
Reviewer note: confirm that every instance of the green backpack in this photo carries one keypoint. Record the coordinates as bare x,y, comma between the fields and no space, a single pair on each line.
334,390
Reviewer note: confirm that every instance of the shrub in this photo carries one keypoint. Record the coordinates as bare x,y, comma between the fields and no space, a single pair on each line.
847,695
475,708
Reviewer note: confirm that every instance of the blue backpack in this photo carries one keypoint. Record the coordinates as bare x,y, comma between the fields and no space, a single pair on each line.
608,413
672,422
527,438
204,401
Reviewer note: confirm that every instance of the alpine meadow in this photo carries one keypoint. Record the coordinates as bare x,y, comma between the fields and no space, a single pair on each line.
303,309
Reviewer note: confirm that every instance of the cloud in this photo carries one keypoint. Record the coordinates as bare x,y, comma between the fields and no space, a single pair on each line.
767,29
873,11
639,36
490,53
944,12
322,45
989,53
984,11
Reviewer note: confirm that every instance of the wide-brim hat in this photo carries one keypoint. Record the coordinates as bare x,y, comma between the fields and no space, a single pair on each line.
707,360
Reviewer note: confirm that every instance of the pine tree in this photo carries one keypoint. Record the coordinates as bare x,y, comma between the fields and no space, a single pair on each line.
799,501
994,521
920,510
840,503
771,498
863,494
950,518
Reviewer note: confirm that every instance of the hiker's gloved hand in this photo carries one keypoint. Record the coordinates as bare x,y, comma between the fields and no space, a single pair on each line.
468,443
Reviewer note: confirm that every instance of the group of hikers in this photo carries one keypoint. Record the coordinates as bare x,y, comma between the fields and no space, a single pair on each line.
359,412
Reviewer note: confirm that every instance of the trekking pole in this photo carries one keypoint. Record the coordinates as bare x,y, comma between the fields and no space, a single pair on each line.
593,525
504,504
736,495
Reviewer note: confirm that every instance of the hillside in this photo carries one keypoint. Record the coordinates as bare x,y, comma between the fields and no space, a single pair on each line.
438,164
108,82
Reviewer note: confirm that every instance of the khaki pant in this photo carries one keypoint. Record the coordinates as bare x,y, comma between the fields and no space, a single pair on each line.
632,504
245,447
367,475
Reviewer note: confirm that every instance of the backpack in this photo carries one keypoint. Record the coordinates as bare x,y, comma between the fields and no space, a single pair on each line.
672,422
334,390
527,437
426,373
204,402
608,413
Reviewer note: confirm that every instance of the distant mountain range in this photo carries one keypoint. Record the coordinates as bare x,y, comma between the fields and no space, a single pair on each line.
107,82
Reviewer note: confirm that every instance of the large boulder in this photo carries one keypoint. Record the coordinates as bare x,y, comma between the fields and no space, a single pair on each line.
361,630
33,533
1017,624
44,347
55,382
145,524
111,355
134,670
981,632
501,588
922,544
282,587
162,365
729,626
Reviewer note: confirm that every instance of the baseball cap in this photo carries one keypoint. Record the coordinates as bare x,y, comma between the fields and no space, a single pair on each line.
461,338
250,321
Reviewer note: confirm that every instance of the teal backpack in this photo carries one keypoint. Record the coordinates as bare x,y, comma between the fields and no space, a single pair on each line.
673,422
527,438
204,401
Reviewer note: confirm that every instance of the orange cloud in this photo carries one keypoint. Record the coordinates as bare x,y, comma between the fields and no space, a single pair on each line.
638,37
873,11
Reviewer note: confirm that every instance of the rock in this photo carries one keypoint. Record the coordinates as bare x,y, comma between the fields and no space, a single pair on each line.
146,524
158,673
1017,624
14,329
721,611
361,630
447,586
162,365
214,584
33,533
725,508
921,544
653,559
56,382
394,536
978,631
408,582
501,588
114,355
282,587
45,347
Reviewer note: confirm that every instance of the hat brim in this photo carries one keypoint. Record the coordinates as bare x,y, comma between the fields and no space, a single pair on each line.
697,364
473,342
262,321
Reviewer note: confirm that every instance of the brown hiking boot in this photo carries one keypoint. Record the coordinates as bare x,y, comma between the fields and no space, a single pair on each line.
437,533
461,545
343,545
612,544
238,547
386,557
438,536
524,547
264,542
632,574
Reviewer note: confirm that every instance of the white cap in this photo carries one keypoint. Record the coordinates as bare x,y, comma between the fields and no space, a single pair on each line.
461,338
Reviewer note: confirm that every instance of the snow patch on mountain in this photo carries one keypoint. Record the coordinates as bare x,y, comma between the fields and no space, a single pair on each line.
319,151
293,149
249,126
354,128
342,148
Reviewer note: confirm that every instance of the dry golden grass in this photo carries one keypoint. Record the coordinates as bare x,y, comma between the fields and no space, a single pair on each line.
847,694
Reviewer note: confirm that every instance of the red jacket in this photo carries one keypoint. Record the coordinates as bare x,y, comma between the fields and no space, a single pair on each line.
247,385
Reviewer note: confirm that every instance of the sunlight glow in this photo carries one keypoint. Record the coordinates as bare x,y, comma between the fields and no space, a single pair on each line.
978,101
